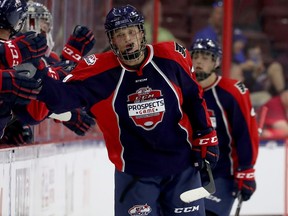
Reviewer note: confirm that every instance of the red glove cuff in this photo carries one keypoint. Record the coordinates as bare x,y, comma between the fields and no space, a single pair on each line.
247,175
12,54
70,53
209,139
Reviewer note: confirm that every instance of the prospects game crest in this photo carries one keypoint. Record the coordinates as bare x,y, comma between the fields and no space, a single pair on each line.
146,107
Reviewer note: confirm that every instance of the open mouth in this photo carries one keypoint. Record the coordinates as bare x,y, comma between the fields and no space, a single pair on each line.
129,48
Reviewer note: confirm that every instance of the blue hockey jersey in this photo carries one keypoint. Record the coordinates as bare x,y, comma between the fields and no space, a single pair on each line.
147,116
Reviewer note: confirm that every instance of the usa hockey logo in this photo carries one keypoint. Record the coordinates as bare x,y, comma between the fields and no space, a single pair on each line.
90,60
140,210
146,107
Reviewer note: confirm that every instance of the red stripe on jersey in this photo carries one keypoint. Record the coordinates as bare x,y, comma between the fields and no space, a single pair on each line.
97,63
108,123
37,110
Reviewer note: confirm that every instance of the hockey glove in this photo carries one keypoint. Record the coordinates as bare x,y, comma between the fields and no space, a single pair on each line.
21,86
79,44
245,183
17,133
80,122
25,47
205,147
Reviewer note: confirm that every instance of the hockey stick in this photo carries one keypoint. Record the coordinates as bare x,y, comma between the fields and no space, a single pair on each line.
263,114
260,130
240,200
201,192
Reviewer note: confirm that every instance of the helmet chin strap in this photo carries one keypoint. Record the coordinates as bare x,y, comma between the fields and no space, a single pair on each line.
201,75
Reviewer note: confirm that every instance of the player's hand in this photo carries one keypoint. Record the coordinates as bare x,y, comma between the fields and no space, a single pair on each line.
205,147
17,133
245,183
80,122
25,47
13,83
79,44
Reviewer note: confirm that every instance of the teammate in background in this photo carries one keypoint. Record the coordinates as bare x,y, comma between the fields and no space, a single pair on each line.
150,110
39,20
233,117
13,52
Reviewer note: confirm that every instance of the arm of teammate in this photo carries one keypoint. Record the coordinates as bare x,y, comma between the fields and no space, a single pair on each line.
246,139
23,48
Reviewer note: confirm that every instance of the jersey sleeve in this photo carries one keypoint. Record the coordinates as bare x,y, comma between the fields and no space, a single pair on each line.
242,118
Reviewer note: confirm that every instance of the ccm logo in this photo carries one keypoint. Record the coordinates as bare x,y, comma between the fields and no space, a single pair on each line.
208,140
14,53
186,209
70,52
245,175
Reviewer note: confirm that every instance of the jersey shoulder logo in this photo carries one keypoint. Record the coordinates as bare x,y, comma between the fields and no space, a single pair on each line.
181,49
241,87
90,60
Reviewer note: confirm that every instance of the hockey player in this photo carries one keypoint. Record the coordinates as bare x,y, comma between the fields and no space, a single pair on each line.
39,19
233,117
150,109
13,52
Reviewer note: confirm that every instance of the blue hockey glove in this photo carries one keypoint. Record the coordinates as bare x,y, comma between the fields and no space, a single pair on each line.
245,183
17,133
79,44
11,83
23,48
80,122
205,147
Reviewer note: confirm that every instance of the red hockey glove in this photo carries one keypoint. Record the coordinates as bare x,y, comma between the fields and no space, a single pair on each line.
245,183
17,133
13,83
25,47
79,44
80,122
205,147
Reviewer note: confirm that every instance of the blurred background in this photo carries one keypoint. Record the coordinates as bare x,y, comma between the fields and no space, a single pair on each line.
254,38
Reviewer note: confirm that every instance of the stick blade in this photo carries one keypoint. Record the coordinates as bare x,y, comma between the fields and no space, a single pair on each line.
193,195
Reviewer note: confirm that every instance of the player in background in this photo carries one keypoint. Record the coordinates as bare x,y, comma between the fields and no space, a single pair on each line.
40,20
233,117
13,52
150,110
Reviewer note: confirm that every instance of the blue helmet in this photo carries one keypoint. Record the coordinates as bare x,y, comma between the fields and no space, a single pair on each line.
207,46
12,15
123,17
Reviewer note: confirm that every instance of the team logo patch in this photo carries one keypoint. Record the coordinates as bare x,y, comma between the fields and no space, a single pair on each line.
146,107
241,87
140,210
90,60
179,48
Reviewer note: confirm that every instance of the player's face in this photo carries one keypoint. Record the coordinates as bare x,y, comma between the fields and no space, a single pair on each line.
44,25
203,62
128,40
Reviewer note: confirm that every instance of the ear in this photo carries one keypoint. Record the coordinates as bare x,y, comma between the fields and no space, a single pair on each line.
218,62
